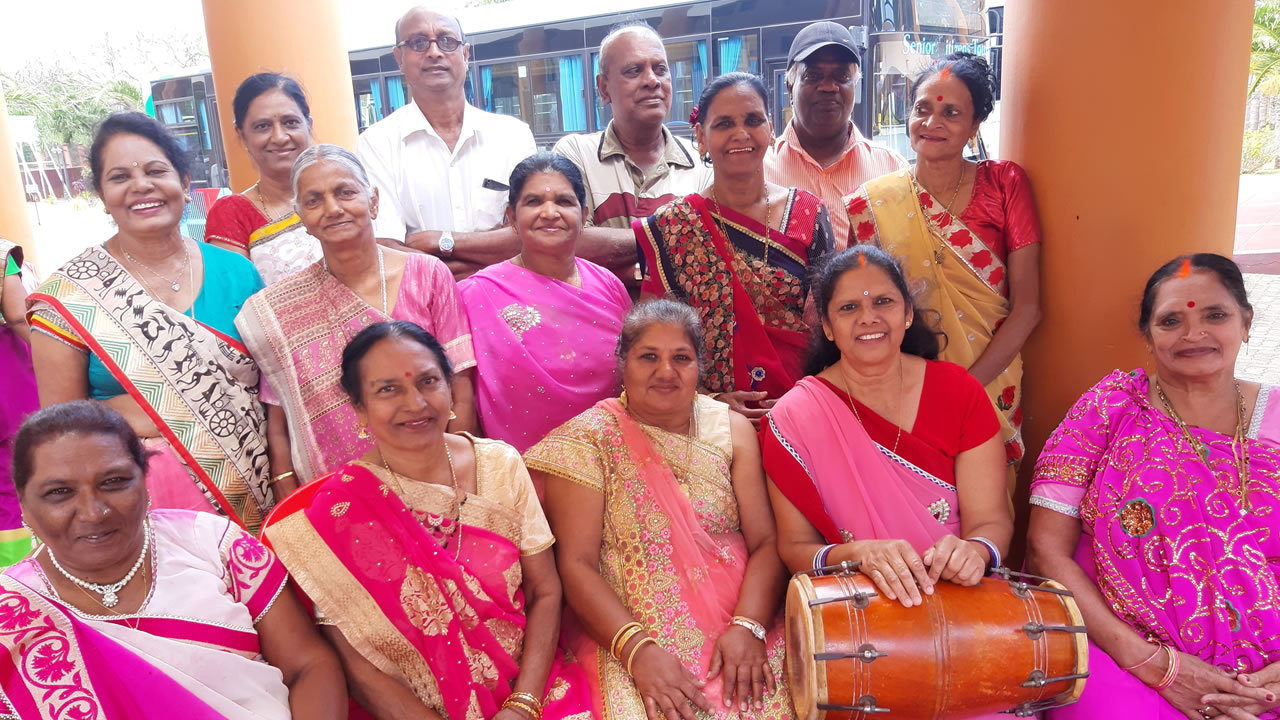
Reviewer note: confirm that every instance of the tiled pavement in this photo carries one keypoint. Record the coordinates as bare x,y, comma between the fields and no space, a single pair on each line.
1261,361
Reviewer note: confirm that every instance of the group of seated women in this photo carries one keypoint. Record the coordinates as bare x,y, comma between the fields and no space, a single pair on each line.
519,497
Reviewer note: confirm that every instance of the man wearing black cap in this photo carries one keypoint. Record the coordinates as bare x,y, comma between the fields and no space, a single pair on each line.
821,150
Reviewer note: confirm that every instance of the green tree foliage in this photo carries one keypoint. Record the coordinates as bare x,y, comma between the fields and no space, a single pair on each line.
1264,62
66,104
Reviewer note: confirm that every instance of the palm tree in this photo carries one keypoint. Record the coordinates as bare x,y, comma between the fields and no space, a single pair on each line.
1264,63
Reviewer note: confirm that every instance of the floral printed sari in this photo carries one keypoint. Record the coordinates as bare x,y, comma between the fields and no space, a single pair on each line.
672,548
447,622
753,312
1169,537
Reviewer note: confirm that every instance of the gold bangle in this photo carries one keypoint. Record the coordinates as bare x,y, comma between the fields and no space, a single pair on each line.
626,638
643,641
613,646
280,477
529,705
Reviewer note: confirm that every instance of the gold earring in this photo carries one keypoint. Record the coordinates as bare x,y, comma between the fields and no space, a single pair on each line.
188,197
623,398
364,432
453,415
105,211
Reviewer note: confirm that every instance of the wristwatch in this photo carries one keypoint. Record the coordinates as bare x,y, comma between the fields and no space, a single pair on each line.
446,243
752,626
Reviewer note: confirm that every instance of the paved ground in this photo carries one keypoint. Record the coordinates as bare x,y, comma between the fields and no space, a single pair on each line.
1258,213
1261,360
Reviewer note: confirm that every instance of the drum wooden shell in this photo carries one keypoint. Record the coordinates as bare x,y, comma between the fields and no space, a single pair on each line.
964,652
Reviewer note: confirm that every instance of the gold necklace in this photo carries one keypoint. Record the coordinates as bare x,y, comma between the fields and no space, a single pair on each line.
433,522
768,223
262,203
897,411
1239,450
964,170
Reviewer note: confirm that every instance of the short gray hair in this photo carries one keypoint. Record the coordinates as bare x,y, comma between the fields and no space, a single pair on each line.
324,152
663,311
618,31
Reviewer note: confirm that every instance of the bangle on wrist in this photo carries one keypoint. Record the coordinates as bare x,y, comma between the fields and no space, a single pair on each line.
280,477
643,641
752,626
1159,649
820,557
991,548
623,637
525,701
1171,673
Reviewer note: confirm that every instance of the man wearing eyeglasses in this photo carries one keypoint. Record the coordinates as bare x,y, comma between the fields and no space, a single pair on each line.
635,165
821,149
441,165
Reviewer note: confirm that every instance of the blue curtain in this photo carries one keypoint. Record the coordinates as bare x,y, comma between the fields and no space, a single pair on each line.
395,88
169,114
595,71
204,127
730,54
573,111
700,71
486,84
376,92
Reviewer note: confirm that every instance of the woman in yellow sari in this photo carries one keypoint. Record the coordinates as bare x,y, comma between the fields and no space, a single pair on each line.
973,258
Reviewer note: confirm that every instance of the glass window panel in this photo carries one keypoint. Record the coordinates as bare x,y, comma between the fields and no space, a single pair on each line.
368,102
738,53
547,93
688,62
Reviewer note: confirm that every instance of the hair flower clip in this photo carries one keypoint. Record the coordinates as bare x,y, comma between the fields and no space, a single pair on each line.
693,116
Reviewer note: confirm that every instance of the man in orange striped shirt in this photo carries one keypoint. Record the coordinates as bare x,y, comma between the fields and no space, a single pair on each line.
821,150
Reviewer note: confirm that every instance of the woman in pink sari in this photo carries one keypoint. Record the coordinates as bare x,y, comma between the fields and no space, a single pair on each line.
428,559
296,328
544,323
883,455
665,539
128,612
1156,503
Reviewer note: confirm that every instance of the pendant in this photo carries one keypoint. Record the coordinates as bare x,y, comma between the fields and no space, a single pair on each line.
176,287
109,599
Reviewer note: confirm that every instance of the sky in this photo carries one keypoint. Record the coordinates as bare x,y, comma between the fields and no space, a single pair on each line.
67,30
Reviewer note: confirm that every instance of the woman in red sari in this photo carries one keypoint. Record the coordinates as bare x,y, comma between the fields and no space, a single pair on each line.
739,252
967,234
883,455
429,559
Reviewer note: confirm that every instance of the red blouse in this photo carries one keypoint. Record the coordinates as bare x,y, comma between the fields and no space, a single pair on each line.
1002,210
954,415
232,219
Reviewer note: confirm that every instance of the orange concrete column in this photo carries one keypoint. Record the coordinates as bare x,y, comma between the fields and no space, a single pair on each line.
1128,117
301,38
15,226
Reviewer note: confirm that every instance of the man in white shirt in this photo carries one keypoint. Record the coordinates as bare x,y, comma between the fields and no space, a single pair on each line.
440,165
635,165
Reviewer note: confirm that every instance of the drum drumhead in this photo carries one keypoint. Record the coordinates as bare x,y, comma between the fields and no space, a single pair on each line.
802,670
1081,641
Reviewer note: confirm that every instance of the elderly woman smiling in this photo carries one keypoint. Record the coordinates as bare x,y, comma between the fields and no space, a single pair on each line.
678,623
129,612
296,328
1156,503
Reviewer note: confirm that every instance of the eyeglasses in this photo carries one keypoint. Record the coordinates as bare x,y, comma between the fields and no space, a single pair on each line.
421,43
839,77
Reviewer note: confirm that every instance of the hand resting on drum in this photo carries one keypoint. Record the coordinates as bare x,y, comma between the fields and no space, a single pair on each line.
745,664
902,574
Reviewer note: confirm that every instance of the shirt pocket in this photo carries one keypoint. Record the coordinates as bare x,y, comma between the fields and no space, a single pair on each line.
490,208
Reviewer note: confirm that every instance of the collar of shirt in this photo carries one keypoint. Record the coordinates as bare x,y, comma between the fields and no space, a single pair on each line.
673,153
415,122
790,142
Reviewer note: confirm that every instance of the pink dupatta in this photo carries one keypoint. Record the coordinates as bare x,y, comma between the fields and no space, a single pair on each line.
846,484
450,629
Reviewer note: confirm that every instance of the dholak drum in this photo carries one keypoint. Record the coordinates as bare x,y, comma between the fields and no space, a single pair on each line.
1002,646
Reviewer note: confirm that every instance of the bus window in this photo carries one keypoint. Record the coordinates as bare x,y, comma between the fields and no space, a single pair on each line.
738,53
368,101
547,93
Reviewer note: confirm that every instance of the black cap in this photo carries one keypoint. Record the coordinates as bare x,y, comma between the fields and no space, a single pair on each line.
819,35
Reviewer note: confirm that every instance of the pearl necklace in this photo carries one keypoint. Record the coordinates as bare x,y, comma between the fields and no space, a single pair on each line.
109,592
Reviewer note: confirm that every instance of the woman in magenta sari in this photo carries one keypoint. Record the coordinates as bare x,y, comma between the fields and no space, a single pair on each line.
1156,503
544,323
428,559
665,539
128,612
740,252
19,398
883,455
